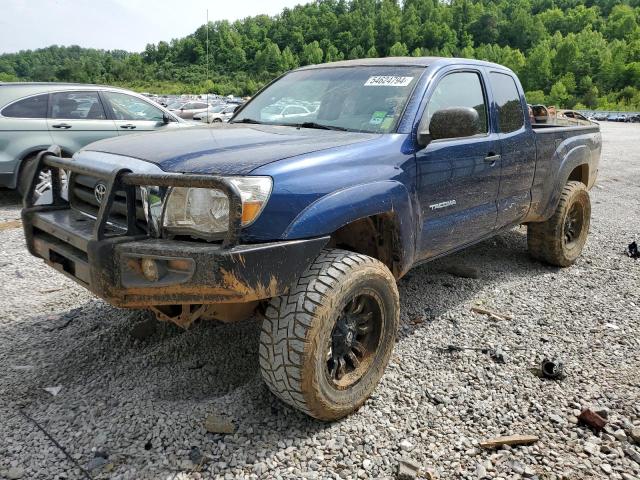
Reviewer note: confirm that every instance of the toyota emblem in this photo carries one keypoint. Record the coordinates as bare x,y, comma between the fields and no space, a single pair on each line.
100,191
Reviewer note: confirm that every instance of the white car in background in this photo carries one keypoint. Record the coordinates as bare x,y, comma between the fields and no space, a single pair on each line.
274,113
217,114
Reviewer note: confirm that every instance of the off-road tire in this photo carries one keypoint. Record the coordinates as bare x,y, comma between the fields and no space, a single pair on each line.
547,241
298,326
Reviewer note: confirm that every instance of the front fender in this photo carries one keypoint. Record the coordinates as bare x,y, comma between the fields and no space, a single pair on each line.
337,209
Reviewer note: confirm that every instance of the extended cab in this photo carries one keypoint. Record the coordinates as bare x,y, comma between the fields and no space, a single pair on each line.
311,220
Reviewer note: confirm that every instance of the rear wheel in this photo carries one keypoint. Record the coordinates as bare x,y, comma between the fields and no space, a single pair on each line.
324,347
559,241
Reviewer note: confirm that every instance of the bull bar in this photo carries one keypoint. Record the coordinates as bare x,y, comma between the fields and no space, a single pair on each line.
195,272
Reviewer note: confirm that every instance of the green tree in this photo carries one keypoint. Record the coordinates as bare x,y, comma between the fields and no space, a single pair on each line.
312,54
622,22
398,50
270,59
535,97
559,95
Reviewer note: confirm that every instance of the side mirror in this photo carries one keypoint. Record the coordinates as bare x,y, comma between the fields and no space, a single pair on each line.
166,118
454,122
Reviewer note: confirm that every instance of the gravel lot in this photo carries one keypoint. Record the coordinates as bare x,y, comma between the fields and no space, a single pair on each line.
142,402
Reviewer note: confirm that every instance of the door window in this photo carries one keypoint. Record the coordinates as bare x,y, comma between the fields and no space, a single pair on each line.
507,97
32,107
460,89
77,106
128,107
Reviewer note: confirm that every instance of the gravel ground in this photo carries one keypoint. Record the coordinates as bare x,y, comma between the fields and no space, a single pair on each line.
142,402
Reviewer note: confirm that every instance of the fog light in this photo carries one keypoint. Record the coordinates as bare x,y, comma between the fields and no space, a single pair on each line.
150,269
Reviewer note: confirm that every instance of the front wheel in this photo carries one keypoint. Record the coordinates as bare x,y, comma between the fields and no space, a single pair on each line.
42,193
559,241
325,345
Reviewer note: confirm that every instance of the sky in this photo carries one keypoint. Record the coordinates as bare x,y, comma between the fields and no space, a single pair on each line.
116,24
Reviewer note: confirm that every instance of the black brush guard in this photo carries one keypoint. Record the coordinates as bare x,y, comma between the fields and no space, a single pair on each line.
123,179
107,260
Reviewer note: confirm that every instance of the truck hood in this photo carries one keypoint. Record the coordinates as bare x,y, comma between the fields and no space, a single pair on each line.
230,149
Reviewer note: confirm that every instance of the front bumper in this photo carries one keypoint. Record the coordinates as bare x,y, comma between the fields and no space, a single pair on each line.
188,272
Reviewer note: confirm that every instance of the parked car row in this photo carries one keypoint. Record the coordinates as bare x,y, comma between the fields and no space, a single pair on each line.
616,117
187,109
210,99
217,113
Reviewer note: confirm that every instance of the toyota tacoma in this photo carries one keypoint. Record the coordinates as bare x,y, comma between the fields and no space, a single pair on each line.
309,220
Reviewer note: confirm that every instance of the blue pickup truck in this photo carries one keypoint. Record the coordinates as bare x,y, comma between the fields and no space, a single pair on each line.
308,217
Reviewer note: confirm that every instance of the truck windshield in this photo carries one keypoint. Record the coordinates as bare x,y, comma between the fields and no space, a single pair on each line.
359,99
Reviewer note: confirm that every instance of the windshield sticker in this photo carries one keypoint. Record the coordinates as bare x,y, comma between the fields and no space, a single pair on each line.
386,125
377,118
388,81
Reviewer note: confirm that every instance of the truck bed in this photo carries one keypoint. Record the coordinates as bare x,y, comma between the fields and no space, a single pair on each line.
559,149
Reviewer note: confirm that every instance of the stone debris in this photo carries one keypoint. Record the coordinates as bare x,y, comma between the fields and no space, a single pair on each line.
511,440
53,390
96,463
592,419
491,314
407,469
15,473
462,271
219,424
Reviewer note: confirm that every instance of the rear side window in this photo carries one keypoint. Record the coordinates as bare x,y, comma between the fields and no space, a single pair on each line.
32,107
460,89
77,105
507,97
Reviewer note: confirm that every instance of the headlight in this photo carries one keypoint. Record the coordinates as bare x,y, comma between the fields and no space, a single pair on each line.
204,212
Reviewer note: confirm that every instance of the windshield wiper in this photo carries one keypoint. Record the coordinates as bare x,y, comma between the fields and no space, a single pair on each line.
249,120
321,126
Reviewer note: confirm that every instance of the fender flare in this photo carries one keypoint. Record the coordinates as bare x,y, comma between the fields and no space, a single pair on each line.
337,209
576,157
32,151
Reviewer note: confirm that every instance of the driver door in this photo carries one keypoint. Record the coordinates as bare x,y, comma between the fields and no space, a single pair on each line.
458,178
132,114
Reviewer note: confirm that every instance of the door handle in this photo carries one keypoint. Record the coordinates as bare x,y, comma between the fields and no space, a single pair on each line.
492,158
130,126
62,125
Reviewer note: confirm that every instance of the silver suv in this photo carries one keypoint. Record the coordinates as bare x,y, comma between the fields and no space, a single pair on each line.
35,115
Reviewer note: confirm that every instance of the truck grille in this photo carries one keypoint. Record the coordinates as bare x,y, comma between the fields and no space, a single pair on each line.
83,197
